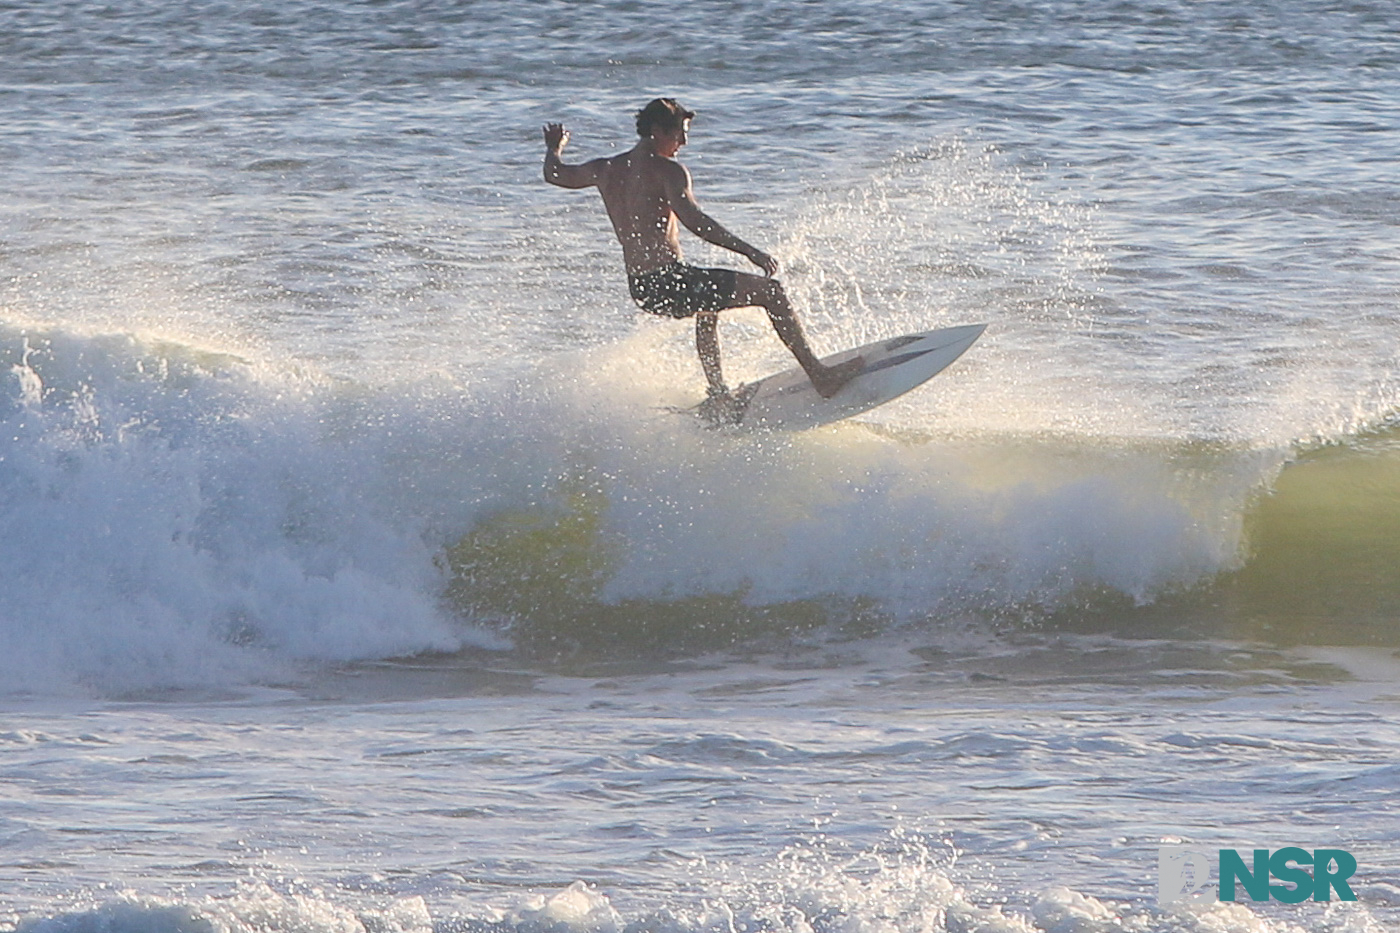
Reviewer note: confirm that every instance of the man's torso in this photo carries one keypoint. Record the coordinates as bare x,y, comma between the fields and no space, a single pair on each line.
634,190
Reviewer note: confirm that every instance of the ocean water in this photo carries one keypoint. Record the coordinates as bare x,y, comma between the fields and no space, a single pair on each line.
355,577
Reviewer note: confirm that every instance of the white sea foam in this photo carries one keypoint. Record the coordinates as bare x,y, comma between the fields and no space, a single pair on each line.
174,519
801,893
255,906
178,518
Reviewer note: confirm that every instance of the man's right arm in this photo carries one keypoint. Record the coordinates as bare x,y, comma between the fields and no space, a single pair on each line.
556,172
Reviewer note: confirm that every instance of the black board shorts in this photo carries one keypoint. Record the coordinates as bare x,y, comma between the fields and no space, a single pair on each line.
680,291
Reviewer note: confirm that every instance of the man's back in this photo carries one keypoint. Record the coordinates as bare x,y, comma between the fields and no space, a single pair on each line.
636,187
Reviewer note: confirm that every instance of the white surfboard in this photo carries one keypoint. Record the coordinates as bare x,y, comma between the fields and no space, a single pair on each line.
787,402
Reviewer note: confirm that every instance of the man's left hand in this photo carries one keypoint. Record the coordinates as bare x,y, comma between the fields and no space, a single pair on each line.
555,137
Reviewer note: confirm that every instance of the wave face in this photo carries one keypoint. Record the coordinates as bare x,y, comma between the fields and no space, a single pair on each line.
1322,548
873,531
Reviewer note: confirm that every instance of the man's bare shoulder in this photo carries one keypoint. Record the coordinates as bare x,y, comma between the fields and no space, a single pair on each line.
612,165
673,171
629,166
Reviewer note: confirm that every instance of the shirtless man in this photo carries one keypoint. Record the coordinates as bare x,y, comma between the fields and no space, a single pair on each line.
646,191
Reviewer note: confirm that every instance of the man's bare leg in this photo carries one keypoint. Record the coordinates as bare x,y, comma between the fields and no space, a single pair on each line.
720,406
768,294
707,345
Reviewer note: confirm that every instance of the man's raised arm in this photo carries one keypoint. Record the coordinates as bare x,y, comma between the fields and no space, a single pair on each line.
556,172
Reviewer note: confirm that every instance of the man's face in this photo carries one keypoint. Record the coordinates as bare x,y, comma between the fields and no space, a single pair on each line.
669,141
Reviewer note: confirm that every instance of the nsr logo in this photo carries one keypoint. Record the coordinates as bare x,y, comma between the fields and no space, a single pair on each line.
1181,872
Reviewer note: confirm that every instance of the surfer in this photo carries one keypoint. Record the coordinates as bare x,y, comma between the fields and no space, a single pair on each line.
646,192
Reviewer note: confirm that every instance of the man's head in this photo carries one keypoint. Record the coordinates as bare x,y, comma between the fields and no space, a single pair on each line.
662,114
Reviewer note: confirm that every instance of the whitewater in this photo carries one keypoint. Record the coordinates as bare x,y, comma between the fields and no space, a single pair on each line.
355,574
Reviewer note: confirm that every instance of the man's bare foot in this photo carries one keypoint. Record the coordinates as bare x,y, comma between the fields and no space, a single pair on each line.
721,408
832,378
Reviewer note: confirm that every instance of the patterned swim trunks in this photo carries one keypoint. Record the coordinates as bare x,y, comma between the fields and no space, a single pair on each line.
680,291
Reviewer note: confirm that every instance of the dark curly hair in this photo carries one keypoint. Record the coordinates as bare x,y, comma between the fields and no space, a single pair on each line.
664,112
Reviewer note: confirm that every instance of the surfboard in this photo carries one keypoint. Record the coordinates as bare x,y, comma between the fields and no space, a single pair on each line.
787,401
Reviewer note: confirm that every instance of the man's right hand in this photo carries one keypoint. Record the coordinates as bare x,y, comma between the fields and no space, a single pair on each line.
555,137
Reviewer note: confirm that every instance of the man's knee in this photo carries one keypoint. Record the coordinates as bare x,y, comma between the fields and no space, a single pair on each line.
775,299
